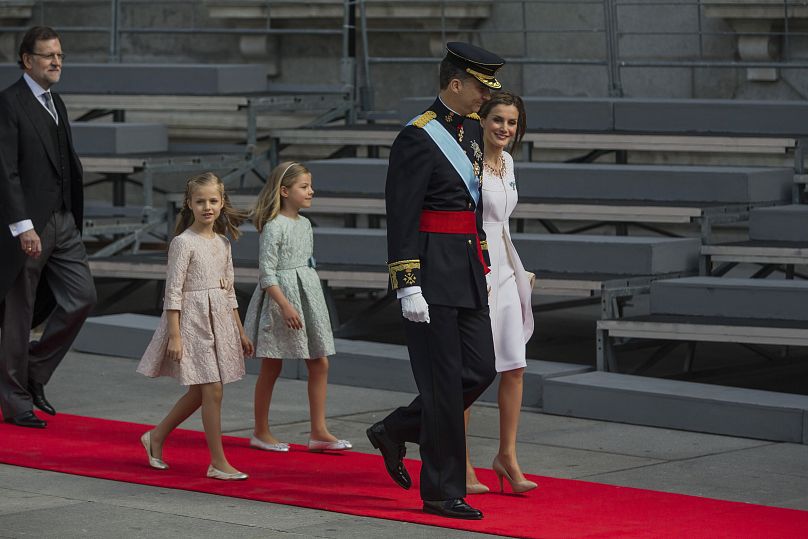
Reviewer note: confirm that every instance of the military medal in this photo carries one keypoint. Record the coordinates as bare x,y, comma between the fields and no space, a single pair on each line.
478,153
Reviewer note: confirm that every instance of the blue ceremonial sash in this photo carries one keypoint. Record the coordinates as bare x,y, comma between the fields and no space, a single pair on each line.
455,154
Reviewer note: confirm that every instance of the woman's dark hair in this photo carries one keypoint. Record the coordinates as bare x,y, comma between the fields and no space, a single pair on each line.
507,98
37,33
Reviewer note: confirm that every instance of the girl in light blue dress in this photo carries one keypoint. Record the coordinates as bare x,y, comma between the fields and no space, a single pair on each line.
287,317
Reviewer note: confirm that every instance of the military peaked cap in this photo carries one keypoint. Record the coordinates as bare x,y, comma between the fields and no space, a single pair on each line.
477,62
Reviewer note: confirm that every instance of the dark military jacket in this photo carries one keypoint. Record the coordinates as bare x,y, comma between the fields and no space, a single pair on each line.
420,177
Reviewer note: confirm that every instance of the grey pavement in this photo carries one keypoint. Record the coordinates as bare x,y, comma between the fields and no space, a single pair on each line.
35,503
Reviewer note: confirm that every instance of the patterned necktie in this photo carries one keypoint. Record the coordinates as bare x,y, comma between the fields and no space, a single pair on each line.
49,103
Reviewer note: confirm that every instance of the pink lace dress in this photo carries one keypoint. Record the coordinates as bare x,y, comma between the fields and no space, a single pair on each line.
200,285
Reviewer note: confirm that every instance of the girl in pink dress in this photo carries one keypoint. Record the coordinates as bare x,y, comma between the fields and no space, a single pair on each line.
200,340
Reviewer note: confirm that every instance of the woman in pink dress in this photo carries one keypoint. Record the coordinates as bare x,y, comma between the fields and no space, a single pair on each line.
200,340
509,300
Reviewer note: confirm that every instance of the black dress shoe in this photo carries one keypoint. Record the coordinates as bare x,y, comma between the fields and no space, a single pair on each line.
453,508
393,454
27,419
37,392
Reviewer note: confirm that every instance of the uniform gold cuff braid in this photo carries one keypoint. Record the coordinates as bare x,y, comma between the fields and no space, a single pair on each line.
405,271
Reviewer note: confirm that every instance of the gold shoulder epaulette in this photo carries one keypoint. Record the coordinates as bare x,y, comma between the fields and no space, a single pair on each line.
473,116
424,119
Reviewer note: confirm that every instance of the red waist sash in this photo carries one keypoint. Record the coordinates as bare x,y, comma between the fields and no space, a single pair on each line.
453,222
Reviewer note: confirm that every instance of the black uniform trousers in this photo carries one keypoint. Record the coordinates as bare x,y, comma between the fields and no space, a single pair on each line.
63,263
452,359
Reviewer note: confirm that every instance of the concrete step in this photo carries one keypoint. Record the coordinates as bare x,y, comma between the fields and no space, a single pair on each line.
99,138
679,405
356,363
779,223
730,297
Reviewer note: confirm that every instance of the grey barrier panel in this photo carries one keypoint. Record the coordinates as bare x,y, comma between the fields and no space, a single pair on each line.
543,113
738,117
679,405
731,298
779,223
620,255
119,138
654,183
153,79
349,175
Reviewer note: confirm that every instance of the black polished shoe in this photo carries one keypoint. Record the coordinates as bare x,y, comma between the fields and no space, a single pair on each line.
453,508
393,454
27,419
37,392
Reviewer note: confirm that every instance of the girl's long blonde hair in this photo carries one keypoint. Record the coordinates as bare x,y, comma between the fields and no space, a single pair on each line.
229,219
269,199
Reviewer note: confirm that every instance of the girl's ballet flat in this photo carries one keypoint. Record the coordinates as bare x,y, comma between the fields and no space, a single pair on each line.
155,463
318,445
257,443
215,473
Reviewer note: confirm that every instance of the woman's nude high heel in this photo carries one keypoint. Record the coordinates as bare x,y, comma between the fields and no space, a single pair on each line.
476,488
518,487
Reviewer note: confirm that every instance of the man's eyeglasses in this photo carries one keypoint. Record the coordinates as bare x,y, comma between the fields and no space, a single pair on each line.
52,56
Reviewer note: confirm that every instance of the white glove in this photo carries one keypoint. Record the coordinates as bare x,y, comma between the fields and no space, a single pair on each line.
488,282
414,308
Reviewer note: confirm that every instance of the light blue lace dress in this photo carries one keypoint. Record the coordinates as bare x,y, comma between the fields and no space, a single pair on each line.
285,252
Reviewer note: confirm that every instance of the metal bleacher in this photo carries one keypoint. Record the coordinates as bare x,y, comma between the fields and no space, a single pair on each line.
212,117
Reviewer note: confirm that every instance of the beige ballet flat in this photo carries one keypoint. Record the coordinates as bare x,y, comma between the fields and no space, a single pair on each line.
318,446
214,473
154,462
258,443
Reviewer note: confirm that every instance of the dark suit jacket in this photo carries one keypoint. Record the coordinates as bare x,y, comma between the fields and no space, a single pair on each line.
420,177
29,176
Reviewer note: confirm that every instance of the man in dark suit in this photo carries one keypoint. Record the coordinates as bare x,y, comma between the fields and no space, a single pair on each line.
438,264
41,205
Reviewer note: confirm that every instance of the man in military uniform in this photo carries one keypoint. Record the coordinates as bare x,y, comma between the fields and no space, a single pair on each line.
438,263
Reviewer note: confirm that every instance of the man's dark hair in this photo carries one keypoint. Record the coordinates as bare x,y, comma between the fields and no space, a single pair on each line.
449,71
37,33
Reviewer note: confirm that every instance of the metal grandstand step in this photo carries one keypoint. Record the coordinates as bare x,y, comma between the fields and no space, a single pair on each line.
780,223
597,182
679,405
561,253
619,255
763,299
726,116
543,113
658,183
154,79
356,363
97,138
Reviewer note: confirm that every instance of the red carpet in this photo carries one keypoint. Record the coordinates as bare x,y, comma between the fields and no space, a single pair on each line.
356,483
